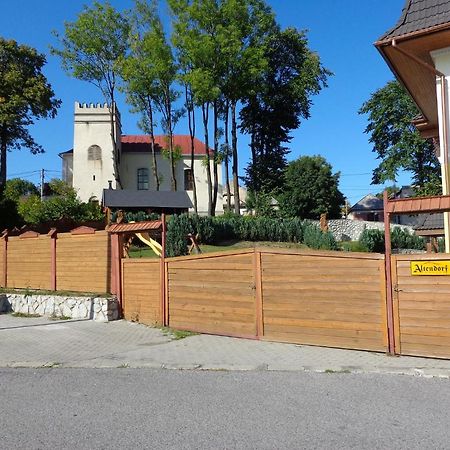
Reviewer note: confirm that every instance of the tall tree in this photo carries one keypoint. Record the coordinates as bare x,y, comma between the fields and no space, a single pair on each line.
397,142
195,25
311,189
246,25
25,95
145,76
280,100
91,50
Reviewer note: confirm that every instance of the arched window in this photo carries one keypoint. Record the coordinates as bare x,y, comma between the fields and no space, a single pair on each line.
94,153
142,179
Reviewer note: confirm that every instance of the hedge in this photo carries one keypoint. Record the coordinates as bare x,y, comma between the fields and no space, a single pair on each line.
373,240
213,230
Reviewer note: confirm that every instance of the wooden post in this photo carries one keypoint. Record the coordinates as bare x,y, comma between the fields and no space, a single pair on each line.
387,265
116,257
258,294
162,274
53,235
4,280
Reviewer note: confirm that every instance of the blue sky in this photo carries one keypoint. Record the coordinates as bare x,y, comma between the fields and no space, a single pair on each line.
341,31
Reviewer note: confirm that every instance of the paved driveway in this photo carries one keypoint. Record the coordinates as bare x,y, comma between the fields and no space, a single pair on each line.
39,342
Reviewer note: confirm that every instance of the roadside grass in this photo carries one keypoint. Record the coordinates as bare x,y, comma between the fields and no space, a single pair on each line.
176,335
25,315
55,317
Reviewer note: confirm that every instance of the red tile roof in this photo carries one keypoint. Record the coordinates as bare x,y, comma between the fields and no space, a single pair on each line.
141,144
134,227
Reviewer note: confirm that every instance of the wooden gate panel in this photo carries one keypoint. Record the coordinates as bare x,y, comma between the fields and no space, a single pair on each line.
423,303
324,300
141,290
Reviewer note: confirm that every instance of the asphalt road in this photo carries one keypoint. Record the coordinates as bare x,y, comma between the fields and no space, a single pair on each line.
141,408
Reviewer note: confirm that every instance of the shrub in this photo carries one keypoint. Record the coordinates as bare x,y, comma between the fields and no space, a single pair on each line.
314,238
373,240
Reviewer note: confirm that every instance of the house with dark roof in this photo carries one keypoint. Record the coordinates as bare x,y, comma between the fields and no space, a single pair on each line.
417,49
369,208
89,166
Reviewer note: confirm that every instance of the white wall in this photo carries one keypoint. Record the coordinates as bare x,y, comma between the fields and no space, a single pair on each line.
131,162
92,127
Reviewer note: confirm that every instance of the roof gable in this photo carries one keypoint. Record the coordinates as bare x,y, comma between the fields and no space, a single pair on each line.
368,203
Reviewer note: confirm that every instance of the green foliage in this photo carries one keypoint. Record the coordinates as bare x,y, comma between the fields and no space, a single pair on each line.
262,203
311,189
314,238
396,141
94,45
9,216
353,246
64,204
16,189
213,230
136,216
278,101
401,238
373,240
25,95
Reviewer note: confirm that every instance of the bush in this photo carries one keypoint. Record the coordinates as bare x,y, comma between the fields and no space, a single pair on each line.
212,230
314,238
373,240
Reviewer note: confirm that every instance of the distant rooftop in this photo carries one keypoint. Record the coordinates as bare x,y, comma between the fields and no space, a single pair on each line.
368,203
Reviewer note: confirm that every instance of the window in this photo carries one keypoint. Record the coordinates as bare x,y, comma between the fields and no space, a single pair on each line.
188,180
94,153
142,179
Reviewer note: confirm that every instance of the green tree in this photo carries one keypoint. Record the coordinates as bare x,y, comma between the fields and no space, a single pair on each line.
25,95
63,204
280,100
311,189
17,188
91,50
397,142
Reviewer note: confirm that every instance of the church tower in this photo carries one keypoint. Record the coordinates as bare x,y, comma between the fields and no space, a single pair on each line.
93,152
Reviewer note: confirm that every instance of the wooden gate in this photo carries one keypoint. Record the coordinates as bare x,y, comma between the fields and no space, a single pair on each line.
421,308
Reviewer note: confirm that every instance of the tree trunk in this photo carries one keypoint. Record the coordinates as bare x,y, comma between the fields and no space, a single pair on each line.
216,150
191,122
235,169
227,160
170,132
152,142
114,125
205,114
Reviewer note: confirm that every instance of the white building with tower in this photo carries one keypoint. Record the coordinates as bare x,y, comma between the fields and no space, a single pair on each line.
89,166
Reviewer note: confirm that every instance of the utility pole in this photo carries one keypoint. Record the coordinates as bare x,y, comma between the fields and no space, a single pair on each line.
42,183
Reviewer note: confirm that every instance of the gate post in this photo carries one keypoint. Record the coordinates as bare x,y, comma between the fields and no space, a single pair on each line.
258,293
53,235
388,271
116,256
4,238
164,314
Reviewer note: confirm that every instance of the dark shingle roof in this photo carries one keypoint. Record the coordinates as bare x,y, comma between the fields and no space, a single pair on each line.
431,222
368,203
420,15
127,198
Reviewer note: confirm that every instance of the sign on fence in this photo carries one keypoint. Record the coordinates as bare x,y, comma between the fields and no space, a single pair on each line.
430,267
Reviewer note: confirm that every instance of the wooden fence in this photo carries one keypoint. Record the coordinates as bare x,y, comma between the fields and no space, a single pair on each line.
78,261
421,309
332,299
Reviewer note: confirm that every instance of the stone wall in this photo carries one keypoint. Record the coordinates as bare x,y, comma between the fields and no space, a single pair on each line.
351,230
96,308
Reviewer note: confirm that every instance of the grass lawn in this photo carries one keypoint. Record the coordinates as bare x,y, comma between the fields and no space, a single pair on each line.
145,252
